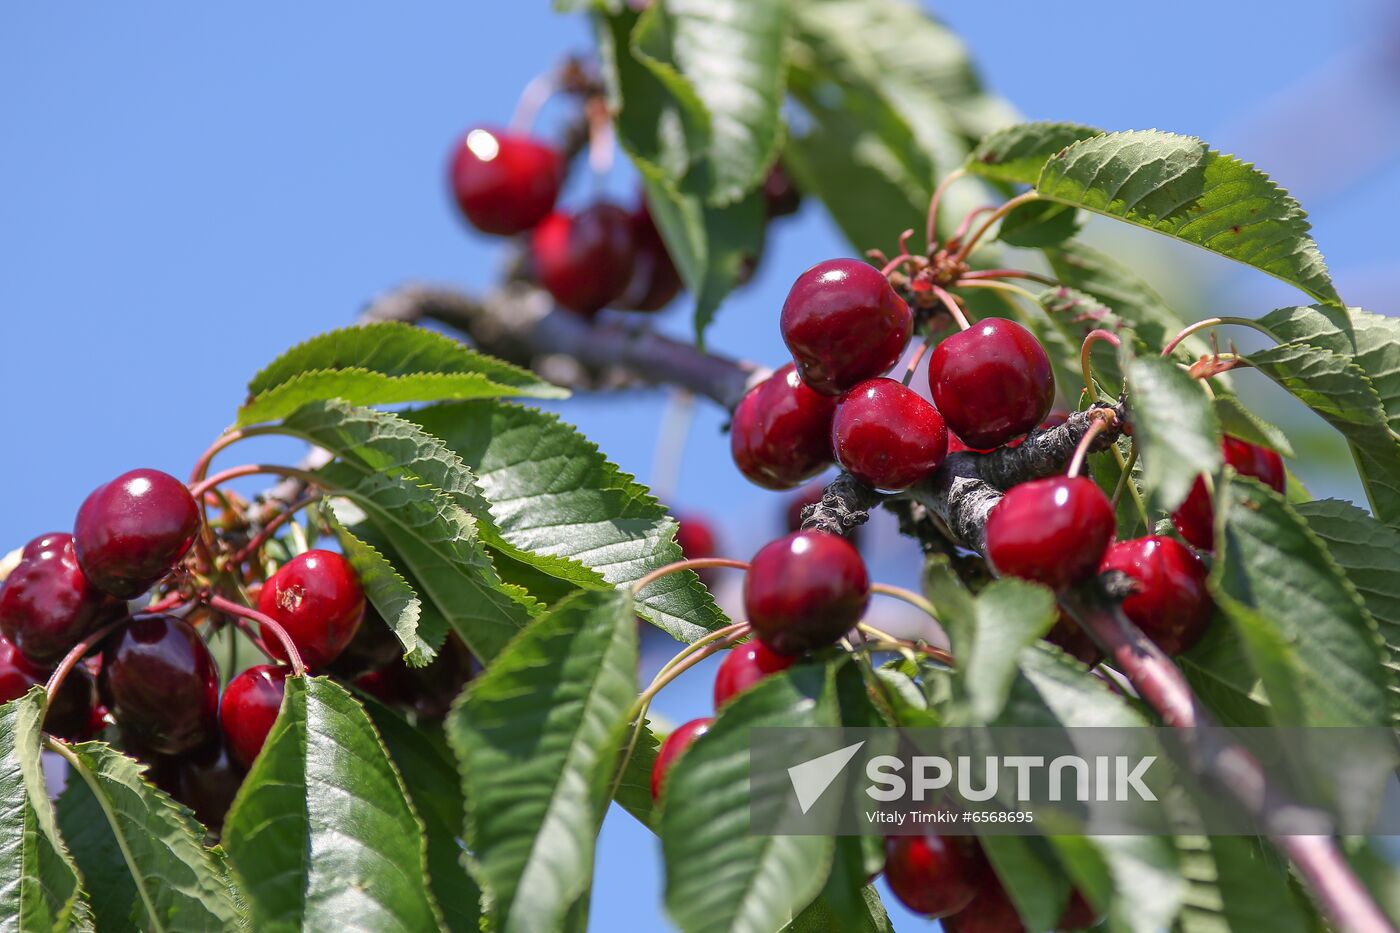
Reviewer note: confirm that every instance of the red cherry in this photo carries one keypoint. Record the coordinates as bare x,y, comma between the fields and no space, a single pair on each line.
1195,517
1169,602
47,605
697,539
70,713
249,708
844,324
677,742
885,435
1066,635
584,260
991,382
992,911
429,691
781,433
936,876
317,598
745,665
132,531
161,685
655,281
505,183
1053,531
805,591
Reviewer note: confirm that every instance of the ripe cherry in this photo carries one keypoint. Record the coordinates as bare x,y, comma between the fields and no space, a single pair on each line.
206,780
933,875
70,713
992,911
696,538
161,685
505,183
132,531
1053,531
805,590
584,260
428,691
844,324
249,708
677,742
885,435
1195,518
1169,601
317,598
745,665
47,605
655,281
781,433
991,382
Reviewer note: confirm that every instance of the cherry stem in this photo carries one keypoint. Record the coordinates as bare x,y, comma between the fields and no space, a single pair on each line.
669,455
908,596
938,654
996,215
1205,323
536,93
199,489
277,521
1085,365
601,138
1124,475
1001,286
1010,274
75,654
1125,469
963,227
229,607
164,605
915,359
698,563
931,223
951,304
1103,418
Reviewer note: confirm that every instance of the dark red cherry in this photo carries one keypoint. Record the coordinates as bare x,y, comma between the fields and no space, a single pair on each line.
70,713
249,708
1195,517
844,324
677,742
696,538
780,195
1169,600
745,665
47,605
373,646
655,281
805,591
505,183
781,432
132,531
1053,531
936,876
161,685
206,780
992,911
584,260
991,382
317,598
886,435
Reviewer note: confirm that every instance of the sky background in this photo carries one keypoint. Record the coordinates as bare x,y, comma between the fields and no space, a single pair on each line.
187,191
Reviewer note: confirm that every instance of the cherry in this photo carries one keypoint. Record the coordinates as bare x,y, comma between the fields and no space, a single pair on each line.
744,666
505,183
132,531
317,598
206,780
781,433
1066,635
844,324
161,684
780,195
249,708
47,605
1053,531
1169,600
811,494
885,435
584,260
70,713
373,646
991,382
933,875
429,691
681,738
655,281
992,911
805,590
1195,517
696,538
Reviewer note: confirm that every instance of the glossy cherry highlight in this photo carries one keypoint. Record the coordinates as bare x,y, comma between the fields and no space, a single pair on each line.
1169,601
886,435
1195,517
161,684
991,382
745,665
584,260
676,743
1053,531
318,599
132,531
781,432
505,183
805,590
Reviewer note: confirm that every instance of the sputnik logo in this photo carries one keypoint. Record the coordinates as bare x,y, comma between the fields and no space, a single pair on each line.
811,778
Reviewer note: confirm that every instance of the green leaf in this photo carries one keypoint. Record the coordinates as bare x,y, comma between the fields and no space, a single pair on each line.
1178,186
383,364
389,593
536,738
1031,876
39,885
1039,224
1175,428
718,876
322,833
106,881
634,787
1237,884
847,903
1018,153
178,884
1237,420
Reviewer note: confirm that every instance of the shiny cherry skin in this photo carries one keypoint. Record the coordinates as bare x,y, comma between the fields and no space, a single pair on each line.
991,382
655,281
1195,518
505,183
1053,531
161,684
47,604
933,875
249,708
844,324
886,435
318,599
132,531
811,494
745,665
781,432
681,738
1169,601
805,590
70,714
584,260
206,780
992,911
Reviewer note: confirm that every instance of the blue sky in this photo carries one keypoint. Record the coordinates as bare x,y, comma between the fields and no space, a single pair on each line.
188,190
